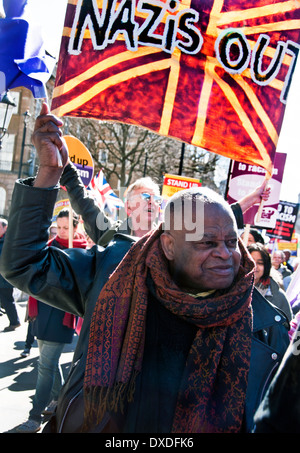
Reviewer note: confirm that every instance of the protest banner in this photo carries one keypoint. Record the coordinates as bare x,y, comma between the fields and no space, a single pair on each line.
174,183
59,205
291,245
245,178
81,158
212,73
285,221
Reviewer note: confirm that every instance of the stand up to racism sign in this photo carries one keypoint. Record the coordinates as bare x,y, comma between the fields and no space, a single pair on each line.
285,222
213,73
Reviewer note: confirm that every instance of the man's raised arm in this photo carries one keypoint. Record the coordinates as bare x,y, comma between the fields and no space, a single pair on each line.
49,143
47,273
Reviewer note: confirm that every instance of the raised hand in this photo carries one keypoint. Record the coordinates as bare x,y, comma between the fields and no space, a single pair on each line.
51,148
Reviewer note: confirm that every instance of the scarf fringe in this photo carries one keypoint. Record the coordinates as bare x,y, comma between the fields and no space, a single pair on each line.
100,400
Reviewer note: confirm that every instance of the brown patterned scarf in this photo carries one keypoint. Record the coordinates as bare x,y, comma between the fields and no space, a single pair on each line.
213,388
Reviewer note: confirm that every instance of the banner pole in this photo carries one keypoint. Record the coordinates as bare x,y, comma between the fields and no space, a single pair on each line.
246,234
228,179
262,202
70,228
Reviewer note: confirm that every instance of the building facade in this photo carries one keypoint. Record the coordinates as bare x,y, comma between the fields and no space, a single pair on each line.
17,154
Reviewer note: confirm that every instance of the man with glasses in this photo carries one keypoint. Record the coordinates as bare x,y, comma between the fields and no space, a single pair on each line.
143,201
142,206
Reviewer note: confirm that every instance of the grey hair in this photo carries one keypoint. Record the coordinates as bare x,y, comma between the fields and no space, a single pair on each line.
146,182
3,222
182,208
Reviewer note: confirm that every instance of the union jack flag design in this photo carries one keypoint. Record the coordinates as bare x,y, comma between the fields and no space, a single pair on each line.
213,73
103,193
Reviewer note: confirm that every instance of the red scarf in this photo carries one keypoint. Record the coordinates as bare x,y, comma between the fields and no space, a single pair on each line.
212,394
69,320
79,242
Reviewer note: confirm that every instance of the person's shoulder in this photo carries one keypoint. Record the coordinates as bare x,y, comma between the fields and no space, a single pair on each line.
265,314
120,243
123,238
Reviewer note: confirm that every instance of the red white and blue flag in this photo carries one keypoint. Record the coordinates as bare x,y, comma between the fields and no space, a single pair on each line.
103,193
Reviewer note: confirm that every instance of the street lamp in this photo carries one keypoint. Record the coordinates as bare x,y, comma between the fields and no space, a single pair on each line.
26,121
145,164
7,105
181,158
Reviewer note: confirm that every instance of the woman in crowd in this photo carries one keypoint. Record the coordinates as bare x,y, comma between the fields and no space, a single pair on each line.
53,328
265,283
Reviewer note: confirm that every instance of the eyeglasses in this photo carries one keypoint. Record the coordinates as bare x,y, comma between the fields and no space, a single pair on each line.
147,197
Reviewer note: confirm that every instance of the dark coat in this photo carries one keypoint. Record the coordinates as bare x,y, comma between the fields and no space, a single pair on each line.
279,411
3,283
49,323
74,279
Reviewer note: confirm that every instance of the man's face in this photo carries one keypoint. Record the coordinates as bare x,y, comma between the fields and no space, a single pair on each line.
209,263
142,211
53,232
276,259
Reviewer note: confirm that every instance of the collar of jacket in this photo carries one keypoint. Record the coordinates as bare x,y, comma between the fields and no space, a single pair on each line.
264,314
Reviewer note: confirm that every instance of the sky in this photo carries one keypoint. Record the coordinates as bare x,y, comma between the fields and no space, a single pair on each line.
289,139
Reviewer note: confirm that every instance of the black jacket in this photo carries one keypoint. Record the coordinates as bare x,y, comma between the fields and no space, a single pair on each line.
75,277
49,323
3,283
98,226
279,411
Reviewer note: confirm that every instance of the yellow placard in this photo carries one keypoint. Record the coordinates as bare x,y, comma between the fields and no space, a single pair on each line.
174,183
59,205
81,158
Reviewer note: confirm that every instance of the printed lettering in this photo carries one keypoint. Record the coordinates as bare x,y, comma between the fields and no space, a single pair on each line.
122,21
231,42
292,49
189,32
87,16
169,40
161,25
265,77
155,15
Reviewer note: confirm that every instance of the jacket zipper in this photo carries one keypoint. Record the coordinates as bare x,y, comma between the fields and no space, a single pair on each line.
66,411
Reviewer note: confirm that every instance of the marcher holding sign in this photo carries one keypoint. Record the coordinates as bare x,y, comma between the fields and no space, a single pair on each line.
53,328
285,221
244,178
